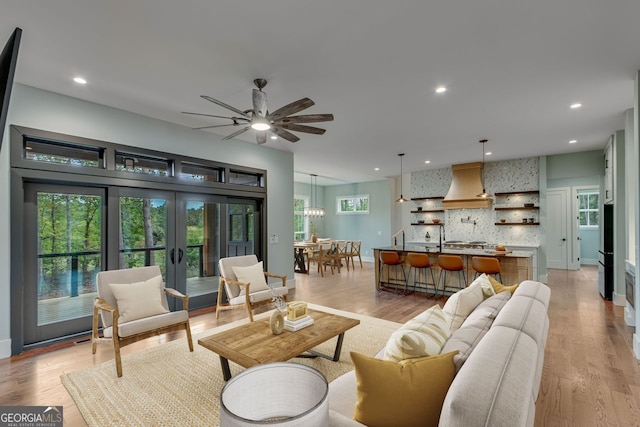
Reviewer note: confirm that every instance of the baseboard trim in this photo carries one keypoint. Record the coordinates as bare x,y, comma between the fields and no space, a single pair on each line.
636,345
630,316
588,261
5,348
619,300
544,278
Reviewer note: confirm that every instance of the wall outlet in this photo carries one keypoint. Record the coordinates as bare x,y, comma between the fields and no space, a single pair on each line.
274,239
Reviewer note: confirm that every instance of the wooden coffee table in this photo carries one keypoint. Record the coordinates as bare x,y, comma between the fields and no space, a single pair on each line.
253,343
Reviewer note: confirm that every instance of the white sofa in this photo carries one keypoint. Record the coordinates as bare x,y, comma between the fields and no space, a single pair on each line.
499,382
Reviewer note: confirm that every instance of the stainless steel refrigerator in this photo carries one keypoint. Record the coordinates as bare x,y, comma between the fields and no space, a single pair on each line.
605,254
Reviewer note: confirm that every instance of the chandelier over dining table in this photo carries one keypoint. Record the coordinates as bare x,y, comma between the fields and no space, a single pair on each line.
313,210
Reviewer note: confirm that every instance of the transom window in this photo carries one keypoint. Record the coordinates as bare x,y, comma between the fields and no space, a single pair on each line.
358,204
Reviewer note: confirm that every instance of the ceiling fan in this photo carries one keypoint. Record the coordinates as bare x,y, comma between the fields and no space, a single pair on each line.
280,122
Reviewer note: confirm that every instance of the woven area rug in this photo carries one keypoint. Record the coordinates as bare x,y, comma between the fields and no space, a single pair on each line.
168,385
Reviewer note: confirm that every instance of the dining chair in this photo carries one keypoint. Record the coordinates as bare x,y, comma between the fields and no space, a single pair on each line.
354,251
322,257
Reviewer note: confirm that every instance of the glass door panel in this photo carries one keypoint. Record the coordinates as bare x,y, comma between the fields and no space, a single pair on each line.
199,229
64,243
241,226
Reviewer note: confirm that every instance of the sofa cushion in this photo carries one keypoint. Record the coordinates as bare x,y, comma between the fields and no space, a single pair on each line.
462,303
477,324
139,300
493,388
407,393
499,287
424,335
254,275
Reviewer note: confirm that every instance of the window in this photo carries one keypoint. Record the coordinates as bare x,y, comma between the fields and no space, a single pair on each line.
588,209
352,204
300,223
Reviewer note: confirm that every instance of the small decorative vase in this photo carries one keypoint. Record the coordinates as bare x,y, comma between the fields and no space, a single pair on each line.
314,238
276,322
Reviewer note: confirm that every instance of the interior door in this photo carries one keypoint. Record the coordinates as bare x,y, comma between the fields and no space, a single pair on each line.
558,228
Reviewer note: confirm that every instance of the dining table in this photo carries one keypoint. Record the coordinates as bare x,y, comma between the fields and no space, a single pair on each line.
299,264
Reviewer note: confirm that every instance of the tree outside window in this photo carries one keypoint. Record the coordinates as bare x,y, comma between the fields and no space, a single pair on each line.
352,204
300,223
589,209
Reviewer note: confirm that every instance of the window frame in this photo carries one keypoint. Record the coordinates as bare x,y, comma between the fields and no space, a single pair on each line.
587,210
354,202
305,232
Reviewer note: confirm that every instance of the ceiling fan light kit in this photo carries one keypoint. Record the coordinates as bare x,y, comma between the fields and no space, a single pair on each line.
281,123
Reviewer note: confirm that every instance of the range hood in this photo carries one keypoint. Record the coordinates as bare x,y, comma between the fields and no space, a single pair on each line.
466,184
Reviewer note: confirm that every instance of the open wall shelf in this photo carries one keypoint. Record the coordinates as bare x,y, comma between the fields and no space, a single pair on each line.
428,210
416,199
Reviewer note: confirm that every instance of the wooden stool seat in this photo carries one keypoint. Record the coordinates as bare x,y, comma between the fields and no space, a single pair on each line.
391,259
451,263
486,265
419,263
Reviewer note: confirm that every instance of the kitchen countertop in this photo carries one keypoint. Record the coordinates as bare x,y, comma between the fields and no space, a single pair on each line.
458,251
435,243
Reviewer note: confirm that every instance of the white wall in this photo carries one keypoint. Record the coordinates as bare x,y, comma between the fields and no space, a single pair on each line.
48,111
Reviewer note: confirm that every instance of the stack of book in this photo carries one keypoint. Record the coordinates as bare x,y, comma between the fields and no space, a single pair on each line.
296,325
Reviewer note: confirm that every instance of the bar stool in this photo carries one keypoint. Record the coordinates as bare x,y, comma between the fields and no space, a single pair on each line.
451,263
391,259
419,263
486,265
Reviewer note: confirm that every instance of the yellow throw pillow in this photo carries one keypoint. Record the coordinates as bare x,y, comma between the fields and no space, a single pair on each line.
407,393
499,287
424,335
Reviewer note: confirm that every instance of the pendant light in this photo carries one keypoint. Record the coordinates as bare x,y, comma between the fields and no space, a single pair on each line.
401,199
313,210
484,193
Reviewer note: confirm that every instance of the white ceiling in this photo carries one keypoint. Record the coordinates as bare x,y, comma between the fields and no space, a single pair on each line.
512,69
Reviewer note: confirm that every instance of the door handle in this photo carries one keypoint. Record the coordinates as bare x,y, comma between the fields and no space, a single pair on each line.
172,256
564,240
180,255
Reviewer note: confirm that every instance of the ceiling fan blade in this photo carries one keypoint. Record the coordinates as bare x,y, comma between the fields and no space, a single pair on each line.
227,106
217,126
261,137
294,107
213,115
284,134
236,133
259,103
307,118
303,128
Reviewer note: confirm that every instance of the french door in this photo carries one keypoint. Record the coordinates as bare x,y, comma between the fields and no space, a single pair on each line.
72,233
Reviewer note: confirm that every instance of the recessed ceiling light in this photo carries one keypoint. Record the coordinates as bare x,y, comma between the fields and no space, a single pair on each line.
576,105
80,80
573,141
274,137
427,161
376,169
441,89
488,153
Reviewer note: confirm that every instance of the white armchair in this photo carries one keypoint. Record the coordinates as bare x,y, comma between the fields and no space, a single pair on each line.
133,306
243,280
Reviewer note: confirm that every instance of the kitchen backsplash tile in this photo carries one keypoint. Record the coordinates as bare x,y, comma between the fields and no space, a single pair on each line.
479,224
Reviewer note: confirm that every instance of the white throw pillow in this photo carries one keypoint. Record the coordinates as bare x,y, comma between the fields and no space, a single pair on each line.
424,335
462,303
139,300
254,275
487,288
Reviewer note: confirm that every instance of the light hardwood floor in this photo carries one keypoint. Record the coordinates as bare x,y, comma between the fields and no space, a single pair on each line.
590,375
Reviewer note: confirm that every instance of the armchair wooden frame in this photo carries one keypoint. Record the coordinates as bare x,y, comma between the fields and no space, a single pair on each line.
249,302
248,305
118,341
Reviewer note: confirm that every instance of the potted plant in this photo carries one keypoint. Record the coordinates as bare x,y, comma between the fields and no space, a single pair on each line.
313,230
